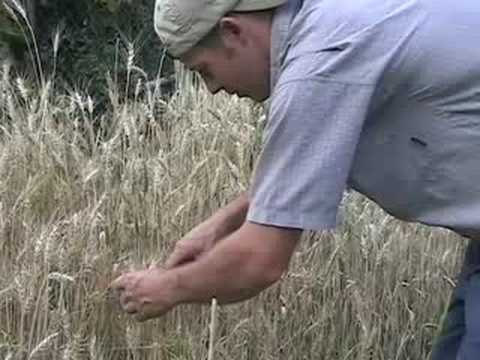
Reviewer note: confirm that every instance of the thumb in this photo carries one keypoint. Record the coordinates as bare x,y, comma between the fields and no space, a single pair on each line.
153,265
182,255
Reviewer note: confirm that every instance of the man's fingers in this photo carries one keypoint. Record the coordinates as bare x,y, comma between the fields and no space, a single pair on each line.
141,317
125,298
127,303
153,265
183,253
130,308
172,260
118,283
146,313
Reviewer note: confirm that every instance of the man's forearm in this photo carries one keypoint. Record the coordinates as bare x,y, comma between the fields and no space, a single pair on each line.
237,268
233,215
203,237
226,273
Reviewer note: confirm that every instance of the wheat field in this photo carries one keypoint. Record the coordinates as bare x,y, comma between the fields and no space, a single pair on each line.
84,197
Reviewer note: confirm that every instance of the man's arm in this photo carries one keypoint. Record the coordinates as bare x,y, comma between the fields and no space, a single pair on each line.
239,267
236,268
232,216
205,235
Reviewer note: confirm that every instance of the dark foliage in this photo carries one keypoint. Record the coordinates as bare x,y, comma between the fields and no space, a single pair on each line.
96,43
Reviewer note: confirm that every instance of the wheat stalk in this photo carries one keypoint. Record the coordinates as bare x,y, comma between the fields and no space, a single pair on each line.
42,346
35,54
213,329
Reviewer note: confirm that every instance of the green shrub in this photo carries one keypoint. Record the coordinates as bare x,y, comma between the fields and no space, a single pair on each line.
12,41
85,43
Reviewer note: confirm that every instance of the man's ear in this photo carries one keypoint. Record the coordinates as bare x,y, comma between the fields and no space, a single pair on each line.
232,30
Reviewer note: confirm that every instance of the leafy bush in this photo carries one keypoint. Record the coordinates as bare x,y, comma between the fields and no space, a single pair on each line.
11,37
84,43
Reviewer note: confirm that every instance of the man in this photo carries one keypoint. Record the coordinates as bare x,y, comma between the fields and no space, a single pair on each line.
382,96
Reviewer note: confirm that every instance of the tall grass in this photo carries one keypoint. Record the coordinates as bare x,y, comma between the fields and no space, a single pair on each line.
84,197
76,208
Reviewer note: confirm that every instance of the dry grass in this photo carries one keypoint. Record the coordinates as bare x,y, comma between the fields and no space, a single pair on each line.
76,209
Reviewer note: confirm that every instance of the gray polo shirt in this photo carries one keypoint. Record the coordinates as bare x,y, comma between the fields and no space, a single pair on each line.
382,96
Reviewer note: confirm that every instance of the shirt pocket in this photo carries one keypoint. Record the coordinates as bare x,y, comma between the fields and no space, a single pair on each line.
395,159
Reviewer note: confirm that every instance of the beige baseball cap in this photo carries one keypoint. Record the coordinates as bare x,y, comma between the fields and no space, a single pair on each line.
181,24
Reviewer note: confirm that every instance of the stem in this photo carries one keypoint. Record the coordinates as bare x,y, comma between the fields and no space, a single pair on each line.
213,328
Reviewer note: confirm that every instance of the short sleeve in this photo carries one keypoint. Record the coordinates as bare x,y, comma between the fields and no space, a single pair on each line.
313,128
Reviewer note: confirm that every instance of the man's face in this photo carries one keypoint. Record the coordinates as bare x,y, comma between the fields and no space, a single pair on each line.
237,66
235,72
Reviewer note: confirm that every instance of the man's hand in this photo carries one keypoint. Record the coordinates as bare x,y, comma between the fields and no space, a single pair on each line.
237,268
148,293
196,243
204,236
